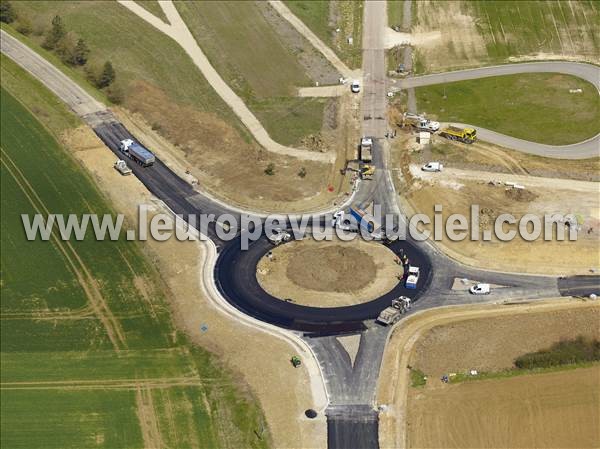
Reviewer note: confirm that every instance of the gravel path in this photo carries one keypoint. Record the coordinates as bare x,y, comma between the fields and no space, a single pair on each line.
179,32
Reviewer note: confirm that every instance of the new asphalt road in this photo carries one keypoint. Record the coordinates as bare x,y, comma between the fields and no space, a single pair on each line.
352,421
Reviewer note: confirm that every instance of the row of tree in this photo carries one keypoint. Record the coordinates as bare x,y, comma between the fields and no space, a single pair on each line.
71,49
580,350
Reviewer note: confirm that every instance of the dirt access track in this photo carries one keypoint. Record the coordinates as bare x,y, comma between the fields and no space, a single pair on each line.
477,342
178,31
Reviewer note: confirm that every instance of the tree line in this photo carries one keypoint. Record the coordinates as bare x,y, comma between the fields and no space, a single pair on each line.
70,48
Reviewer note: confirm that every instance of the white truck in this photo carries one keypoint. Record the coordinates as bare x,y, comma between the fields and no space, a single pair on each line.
366,149
279,236
392,314
121,167
432,167
136,152
420,123
412,278
480,289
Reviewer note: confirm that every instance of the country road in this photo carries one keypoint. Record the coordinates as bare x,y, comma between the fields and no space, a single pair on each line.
581,150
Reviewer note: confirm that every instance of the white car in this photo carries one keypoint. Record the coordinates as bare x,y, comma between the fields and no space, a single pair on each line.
432,166
480,289
355,86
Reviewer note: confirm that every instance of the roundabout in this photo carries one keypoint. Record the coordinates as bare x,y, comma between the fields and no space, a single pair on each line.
329,273
236,279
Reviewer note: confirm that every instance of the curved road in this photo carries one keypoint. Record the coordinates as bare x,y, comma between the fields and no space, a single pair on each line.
351,386
581,150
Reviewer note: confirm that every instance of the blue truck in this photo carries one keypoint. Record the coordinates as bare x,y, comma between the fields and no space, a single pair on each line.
137,152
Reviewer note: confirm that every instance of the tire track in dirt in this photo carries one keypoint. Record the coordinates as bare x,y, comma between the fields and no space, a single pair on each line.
148,419
75,314
82,273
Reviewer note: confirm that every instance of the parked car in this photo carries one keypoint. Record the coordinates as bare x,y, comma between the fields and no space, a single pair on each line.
355,86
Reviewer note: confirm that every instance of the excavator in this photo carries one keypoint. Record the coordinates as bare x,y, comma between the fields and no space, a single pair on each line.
365,171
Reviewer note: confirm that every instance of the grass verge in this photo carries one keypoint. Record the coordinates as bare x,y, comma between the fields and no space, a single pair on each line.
535,107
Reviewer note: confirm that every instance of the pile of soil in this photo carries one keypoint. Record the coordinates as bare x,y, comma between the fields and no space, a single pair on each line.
331,268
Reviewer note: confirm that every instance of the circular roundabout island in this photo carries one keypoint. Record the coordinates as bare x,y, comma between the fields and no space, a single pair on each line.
328,273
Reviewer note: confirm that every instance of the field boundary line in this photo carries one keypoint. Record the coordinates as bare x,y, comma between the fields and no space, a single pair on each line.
83,275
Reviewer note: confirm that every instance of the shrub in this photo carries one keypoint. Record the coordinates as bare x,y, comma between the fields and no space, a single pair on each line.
115,93
564,352
54,34
7,12
24,26
107,76
270,170
302,172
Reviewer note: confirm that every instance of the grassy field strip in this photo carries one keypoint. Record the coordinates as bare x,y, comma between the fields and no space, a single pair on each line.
81,271
539,107
126,384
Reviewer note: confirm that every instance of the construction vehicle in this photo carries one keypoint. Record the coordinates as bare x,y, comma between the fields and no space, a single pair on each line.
339,219
413,278
464,135
279,236
366,149
367,171
136,152
121,167
368,223
392,314
420,123
296,362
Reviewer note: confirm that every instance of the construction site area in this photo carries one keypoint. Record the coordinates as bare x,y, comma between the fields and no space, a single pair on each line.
367,122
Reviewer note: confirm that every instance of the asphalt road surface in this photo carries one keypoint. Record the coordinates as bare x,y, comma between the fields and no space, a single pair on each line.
581,150
352,421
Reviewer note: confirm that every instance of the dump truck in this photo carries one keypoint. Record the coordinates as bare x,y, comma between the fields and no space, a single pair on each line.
358,214
366,149
420,123
137,152
412,278
465,135
121,167
392,314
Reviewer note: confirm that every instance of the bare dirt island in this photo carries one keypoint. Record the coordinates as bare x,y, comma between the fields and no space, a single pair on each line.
329,274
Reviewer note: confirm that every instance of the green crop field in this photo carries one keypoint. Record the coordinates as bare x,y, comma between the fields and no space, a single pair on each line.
536,107
87,359
464,34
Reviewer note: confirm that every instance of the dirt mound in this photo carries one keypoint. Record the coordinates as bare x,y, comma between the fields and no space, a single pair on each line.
328,274
331,268
521,195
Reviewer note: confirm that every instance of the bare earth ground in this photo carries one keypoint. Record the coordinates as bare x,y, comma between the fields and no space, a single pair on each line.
329,274
261,360
546,257
485,156
552,410
394,385
492,344
231,168
456,196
